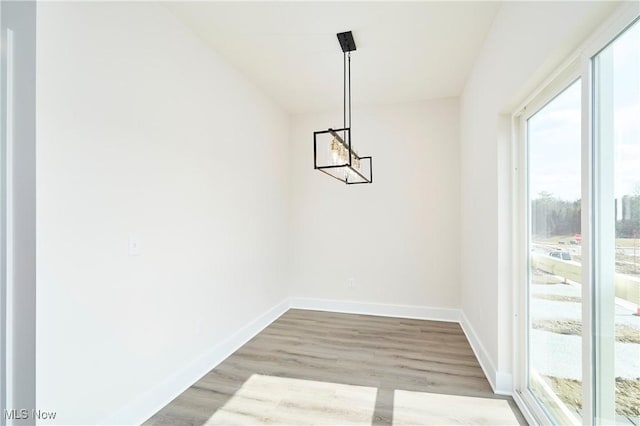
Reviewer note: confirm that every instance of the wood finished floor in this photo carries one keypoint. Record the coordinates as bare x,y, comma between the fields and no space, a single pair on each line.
311,367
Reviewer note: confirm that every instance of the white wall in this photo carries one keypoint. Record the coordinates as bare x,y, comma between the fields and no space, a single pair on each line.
397,238
142,130
526,41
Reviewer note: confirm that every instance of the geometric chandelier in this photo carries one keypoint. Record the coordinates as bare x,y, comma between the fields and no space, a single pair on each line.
333,153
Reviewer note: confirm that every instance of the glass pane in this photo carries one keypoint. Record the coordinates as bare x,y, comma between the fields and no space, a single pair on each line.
617,298
555,301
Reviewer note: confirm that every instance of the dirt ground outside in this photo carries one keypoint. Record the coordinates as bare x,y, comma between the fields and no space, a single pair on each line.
558,297
624,333
627,394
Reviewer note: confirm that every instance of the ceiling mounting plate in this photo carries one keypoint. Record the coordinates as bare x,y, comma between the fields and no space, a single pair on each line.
347,42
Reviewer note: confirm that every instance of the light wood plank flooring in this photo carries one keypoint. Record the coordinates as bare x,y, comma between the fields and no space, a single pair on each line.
311,367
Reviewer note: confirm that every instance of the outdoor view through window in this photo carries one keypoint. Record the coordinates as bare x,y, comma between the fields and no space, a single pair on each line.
617,119
555,309
555,303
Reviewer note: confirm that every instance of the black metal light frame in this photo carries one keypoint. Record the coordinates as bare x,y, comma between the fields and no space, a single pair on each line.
347,43
352,156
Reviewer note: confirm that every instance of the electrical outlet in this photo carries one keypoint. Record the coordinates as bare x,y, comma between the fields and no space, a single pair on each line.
351,283
134,246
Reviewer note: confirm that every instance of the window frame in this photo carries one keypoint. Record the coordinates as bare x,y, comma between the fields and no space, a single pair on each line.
579,65
569,75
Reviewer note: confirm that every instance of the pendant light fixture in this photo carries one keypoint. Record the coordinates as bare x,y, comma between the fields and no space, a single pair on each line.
333,152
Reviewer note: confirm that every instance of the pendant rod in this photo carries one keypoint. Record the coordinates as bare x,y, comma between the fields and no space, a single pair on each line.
349,89
344,92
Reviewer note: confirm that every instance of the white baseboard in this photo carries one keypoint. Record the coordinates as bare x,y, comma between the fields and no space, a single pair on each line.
501,382
141,409
378,309
504,383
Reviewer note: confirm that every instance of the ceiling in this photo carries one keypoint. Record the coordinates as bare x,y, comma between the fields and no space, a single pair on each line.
405,51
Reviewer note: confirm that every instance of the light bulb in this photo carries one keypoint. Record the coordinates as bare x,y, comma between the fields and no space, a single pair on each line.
335,152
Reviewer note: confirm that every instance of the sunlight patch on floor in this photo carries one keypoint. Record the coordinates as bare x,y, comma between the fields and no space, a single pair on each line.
266,399
280,400
413,408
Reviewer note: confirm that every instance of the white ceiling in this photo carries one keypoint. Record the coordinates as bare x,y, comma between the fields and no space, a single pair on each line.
405,51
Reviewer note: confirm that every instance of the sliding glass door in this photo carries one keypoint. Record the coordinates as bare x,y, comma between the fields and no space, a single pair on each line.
555,268
580,304
616,106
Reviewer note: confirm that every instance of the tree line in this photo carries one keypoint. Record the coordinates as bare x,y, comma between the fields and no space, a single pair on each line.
552,216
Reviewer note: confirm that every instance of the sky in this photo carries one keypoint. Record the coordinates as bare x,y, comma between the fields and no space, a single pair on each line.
554,132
